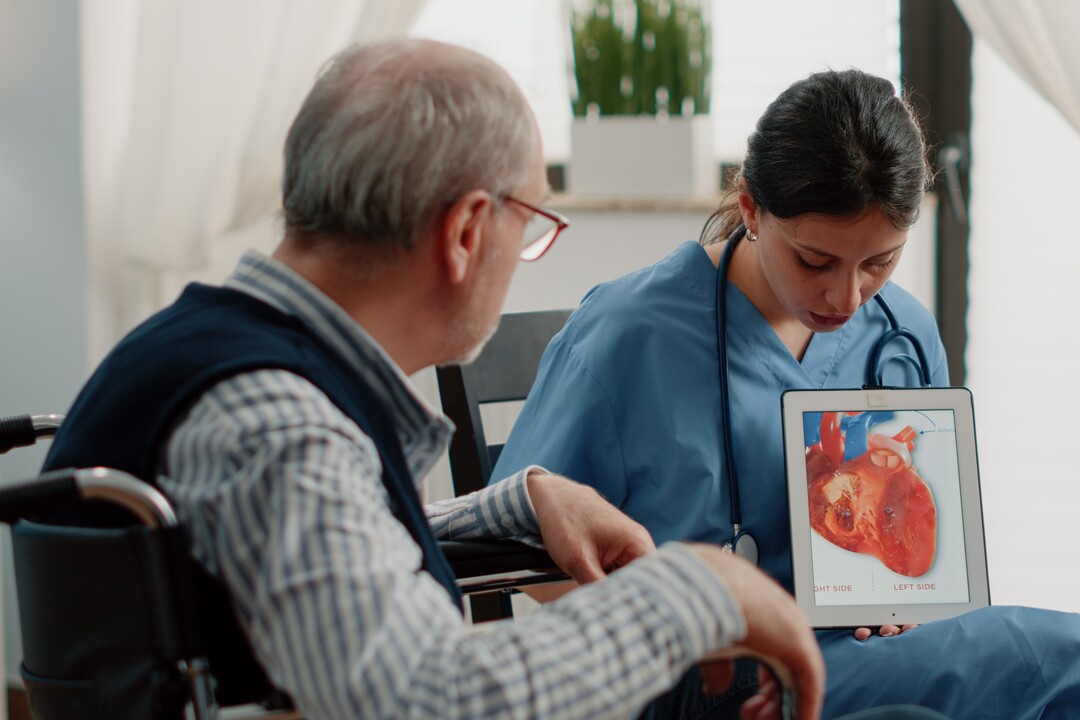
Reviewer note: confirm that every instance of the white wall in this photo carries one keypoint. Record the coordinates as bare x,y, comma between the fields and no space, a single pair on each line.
1023,337
42,287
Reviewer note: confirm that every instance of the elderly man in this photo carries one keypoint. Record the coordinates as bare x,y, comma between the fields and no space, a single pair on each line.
275,412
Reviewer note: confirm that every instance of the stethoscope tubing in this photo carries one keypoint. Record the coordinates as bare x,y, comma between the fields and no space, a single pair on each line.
725,397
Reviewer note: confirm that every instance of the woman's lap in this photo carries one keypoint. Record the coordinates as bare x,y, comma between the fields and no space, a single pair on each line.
1010,663
998,663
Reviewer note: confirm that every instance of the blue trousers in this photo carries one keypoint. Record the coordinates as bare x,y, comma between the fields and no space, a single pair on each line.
998,663
686,701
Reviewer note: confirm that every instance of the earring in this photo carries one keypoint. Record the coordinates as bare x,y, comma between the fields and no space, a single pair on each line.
750,236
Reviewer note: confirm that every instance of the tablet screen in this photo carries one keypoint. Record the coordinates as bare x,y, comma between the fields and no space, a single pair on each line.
884,505
886,513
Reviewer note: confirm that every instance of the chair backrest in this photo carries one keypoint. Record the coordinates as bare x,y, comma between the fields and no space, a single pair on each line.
504,372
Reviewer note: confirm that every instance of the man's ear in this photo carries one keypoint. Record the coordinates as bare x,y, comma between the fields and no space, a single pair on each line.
747,206
462,233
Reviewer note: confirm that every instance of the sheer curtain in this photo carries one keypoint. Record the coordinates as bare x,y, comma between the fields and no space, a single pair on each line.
1022,330
1038,39
186,105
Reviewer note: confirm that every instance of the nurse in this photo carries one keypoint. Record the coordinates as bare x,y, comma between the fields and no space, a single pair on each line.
628,395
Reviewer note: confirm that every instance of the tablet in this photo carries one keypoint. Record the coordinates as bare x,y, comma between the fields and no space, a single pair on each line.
886,514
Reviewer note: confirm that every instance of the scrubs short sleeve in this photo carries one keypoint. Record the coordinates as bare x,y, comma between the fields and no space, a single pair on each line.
567,426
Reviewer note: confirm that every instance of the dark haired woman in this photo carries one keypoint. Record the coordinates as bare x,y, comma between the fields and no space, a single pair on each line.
628,395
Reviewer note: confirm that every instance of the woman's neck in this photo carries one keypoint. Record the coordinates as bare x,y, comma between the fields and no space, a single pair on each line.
745,273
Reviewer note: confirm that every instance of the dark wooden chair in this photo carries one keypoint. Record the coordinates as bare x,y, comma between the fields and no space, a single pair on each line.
504,372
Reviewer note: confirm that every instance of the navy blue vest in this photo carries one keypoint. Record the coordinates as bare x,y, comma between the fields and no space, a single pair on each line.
123,416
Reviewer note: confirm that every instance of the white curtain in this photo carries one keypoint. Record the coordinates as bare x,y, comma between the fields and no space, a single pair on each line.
1038,38
186,108
1021,319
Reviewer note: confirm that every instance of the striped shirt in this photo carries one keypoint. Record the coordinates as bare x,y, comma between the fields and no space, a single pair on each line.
284,500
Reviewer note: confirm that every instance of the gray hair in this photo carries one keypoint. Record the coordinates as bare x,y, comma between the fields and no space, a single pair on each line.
393,133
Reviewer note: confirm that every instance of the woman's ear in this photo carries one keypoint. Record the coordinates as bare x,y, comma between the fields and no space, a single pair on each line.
747,207
462,233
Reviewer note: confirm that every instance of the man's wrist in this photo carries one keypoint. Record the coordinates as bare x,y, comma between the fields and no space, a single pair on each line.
688,598
716,595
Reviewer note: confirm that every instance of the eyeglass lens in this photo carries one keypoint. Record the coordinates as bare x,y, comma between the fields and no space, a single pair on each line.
539,234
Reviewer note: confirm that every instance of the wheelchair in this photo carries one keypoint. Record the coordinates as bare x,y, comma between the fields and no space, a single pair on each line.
114,618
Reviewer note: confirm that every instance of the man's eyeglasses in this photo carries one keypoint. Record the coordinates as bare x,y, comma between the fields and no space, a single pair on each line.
544,226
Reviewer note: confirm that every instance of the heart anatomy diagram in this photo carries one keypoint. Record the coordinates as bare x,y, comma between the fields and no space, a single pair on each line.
874,502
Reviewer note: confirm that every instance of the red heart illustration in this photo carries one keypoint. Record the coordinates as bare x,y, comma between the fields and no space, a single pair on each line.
876,503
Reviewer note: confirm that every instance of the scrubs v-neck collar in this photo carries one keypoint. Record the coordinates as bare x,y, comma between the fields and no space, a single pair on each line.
747,327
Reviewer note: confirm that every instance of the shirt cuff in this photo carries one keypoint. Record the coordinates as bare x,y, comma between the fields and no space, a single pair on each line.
502,510
508,510
692,596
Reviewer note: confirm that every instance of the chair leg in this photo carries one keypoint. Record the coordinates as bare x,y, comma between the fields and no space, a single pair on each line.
490,606
202,694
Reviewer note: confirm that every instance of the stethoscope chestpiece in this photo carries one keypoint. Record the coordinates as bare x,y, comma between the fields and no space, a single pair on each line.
745,546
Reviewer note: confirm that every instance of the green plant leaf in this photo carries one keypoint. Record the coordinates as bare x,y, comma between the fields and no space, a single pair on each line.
640,56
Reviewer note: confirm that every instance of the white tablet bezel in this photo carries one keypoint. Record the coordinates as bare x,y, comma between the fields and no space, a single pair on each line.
796,402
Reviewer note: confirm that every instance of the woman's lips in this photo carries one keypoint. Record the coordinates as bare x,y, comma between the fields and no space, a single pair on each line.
830,320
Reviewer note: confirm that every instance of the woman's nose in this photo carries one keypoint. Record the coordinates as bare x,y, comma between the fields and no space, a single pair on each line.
845,297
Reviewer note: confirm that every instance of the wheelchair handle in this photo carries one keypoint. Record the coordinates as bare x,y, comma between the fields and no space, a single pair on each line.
24,430
59,489
779,671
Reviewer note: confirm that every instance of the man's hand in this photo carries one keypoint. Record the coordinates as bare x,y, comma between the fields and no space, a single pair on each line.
585,535
776,626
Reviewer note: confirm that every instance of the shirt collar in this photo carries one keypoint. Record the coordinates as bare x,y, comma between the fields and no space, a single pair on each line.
281,287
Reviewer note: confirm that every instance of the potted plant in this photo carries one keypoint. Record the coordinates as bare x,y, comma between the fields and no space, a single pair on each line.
641,98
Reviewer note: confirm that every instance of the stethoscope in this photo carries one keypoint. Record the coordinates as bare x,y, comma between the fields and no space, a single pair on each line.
742,542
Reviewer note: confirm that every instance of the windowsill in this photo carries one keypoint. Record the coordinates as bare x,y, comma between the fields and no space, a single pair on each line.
571,202
600,203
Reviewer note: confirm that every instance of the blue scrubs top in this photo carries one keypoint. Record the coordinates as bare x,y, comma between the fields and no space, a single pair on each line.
627,400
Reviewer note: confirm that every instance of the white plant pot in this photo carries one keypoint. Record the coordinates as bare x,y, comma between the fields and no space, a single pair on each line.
642,156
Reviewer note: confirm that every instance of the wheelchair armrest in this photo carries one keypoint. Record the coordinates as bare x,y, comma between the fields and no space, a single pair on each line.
486,565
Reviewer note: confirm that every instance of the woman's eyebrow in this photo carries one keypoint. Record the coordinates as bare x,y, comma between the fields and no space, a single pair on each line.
822,253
